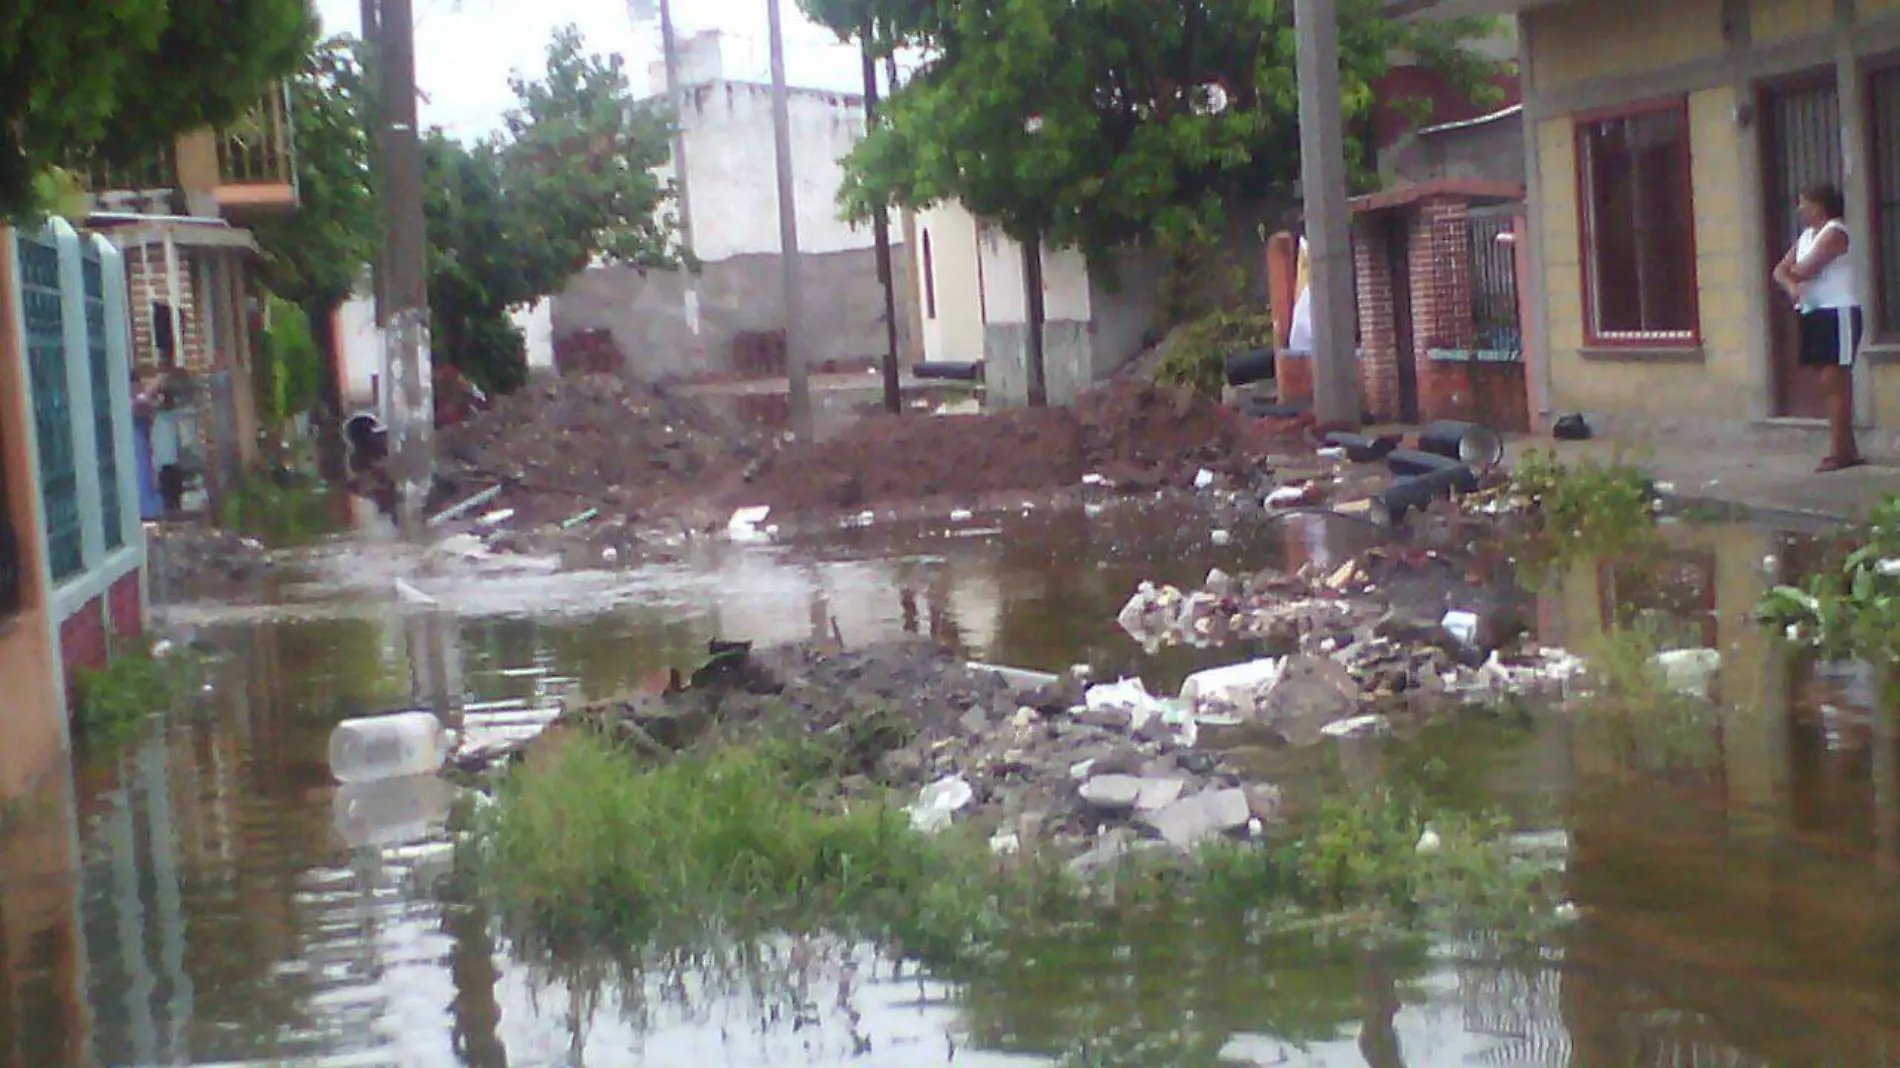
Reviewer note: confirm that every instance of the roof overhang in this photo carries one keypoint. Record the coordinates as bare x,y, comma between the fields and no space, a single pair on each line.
209,235
1463,189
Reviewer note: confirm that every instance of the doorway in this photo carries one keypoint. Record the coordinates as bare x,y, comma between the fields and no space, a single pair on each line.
1801,144
1395,231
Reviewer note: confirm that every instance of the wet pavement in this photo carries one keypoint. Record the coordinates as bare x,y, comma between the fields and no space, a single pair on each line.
208,897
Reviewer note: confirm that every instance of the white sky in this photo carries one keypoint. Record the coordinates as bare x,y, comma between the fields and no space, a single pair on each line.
465,49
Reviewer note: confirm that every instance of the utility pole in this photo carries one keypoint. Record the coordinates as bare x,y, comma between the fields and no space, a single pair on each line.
881,231
402,281
676,100
797,371
1328,226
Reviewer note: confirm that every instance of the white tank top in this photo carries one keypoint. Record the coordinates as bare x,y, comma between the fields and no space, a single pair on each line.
1834,286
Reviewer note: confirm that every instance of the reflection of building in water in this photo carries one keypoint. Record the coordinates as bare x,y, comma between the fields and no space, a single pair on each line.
43,1017
1753,941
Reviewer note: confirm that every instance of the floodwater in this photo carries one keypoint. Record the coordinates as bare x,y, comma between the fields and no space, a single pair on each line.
207,897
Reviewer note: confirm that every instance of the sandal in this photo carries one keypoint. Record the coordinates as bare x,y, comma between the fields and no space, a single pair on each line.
1832,464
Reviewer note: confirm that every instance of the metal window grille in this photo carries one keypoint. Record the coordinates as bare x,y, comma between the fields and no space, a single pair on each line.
104,428
1494,310
52,402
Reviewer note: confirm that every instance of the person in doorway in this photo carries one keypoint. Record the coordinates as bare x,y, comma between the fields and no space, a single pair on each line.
1819,277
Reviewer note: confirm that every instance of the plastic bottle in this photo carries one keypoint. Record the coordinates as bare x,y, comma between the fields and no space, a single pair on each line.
375,748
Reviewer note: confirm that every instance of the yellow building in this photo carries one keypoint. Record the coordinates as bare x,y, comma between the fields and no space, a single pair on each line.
1666,143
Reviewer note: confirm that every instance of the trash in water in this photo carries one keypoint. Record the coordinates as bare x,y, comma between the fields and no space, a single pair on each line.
1357,727
1005,843
1093,479
744,524
938,804
1689,671
1462,626
1332,452
1293,496
1234,688
961,515
375,748
496,517
1203,478
1221,537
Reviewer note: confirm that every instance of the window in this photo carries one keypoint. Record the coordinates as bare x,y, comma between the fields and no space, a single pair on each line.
164,339
1638,227
930,281
1884,95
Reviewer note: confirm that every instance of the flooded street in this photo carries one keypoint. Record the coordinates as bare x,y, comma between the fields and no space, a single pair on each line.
207,896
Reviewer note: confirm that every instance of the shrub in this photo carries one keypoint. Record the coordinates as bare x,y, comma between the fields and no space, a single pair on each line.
1197,352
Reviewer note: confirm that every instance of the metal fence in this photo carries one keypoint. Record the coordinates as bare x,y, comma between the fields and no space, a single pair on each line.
1496,327
43,308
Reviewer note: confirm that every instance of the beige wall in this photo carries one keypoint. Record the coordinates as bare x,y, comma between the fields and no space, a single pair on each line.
34,736
955,332
1603,54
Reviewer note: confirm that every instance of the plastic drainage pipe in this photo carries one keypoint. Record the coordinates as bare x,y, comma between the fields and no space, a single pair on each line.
1389,507
946,371
1266,409
1248,367
1412,463
1361,449
1468,443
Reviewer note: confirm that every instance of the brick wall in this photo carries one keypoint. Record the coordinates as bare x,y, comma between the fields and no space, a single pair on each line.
82,640
1378,326
148,284
125,607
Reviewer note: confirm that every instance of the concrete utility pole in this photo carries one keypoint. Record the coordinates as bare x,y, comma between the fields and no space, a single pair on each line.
881,231
402,284
676,100
796,370
1328,226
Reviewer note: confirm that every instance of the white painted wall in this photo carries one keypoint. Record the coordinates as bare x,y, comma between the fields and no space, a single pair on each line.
950,285
362,347
732,177
1065,281
537,331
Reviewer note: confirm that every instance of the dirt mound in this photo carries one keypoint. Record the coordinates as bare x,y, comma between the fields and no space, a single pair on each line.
1136,434
593,440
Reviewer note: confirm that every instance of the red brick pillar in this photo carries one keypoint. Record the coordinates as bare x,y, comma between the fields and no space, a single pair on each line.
1378,327
1293,375
1441,305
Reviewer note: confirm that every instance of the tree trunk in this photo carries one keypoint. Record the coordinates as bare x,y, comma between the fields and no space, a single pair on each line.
1032,292
881,229
328,417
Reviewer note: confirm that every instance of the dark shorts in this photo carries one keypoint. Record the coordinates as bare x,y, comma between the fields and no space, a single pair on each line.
1830,337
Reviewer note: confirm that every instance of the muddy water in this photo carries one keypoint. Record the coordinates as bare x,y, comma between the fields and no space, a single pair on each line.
206,897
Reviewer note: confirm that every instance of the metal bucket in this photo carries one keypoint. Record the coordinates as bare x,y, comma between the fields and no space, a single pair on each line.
1471,444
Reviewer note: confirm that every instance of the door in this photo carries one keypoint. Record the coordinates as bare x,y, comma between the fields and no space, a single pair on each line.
1399,257
1801,143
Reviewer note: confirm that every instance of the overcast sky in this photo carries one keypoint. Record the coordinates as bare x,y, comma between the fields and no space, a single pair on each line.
465,49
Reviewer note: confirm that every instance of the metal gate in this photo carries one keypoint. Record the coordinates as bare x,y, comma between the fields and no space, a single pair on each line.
45,317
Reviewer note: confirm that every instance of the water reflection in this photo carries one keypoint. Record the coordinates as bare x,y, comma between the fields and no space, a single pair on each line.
207,896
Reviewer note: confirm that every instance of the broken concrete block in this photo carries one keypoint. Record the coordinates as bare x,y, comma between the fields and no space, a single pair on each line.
1191,821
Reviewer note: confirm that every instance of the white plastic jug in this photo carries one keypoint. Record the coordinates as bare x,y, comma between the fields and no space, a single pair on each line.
375,748
392,811
1236,687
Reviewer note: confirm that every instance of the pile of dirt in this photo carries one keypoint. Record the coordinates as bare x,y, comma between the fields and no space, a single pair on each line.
1135,434
595,440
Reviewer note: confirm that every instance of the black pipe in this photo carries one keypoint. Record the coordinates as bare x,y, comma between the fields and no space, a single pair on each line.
1390,506
1361,449
1252,366
1468,443
1260,408
1412,463
947,371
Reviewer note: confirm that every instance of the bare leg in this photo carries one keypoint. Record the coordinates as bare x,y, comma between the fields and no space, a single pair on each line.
1842,449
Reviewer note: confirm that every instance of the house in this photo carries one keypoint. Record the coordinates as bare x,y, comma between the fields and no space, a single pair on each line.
1666,145
191,267
161,281
72,548
726,321
975,307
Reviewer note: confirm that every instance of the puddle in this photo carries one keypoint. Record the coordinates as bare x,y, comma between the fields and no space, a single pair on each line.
209,898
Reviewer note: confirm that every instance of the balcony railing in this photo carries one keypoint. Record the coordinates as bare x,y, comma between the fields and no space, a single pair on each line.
255,150
156,171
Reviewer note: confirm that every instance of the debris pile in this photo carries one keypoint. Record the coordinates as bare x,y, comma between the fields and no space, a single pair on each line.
1128,435
567,443
196,560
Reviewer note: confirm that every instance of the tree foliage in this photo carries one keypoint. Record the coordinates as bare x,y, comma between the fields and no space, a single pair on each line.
316,256
121,77
1098,122
512,218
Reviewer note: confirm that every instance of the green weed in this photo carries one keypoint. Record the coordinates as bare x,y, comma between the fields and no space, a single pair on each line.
1852,609
290,509
1197,352
736,843
113,702
1586,509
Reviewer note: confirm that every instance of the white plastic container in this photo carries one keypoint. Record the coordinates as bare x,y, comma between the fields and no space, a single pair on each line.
1236,687
1689,671
375,748
393,811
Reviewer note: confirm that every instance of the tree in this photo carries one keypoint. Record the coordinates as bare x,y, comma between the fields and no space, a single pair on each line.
314,257
120,78
1091,125
512,218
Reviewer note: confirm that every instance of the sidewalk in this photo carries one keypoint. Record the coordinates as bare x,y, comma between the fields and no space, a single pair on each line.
1759,476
